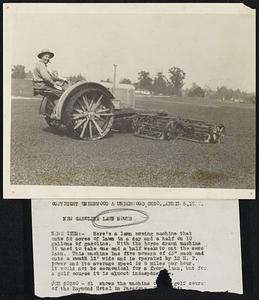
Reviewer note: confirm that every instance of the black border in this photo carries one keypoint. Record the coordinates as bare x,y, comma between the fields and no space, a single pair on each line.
16,259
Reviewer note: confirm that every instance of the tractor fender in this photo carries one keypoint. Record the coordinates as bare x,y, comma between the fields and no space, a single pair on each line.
70,91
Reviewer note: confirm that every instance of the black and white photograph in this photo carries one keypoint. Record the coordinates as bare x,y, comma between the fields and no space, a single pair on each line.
129,101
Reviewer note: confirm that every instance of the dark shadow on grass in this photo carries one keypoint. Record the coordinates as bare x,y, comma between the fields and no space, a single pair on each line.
208,177
61,131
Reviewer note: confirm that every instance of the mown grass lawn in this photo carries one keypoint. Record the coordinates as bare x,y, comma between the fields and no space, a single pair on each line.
40,156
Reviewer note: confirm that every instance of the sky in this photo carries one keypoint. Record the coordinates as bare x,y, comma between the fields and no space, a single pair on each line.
212,49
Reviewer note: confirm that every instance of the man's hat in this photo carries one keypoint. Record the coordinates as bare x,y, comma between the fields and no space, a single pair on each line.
45,51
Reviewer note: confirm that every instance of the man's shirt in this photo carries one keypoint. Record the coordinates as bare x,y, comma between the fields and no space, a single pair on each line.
41,74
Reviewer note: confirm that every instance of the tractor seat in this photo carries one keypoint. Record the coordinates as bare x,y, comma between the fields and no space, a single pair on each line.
44,93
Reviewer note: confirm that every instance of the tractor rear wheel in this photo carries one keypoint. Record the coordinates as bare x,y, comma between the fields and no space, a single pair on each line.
88,114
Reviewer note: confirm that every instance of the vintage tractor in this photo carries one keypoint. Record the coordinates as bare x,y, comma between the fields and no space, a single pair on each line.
85,108
89,110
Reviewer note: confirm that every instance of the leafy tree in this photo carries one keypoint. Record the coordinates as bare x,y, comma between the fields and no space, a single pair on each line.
177,77
125,81
160,84
225,93
18,72
136,85
29,75
145,82
196,91
208,91
75,78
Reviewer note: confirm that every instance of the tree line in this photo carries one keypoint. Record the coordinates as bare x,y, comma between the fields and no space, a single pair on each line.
18,72
160,84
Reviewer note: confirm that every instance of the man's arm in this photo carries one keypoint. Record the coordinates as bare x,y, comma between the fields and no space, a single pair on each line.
55,76
63,79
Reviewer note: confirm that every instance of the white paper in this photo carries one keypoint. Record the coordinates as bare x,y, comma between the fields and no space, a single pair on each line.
98,246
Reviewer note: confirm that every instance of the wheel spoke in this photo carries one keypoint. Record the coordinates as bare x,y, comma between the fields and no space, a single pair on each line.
97,127
99,117
77,116
80,111
91,104
81,105
80,123
105,114
86,102
83,130
90,129
102,110
98,102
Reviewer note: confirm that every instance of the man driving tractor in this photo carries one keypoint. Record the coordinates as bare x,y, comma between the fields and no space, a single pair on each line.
43,78
45,81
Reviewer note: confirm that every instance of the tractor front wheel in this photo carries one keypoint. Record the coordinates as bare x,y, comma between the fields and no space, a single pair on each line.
88,114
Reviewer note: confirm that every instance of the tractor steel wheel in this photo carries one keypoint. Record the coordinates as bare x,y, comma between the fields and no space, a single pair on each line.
217,134
89,114
171,131
48,111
